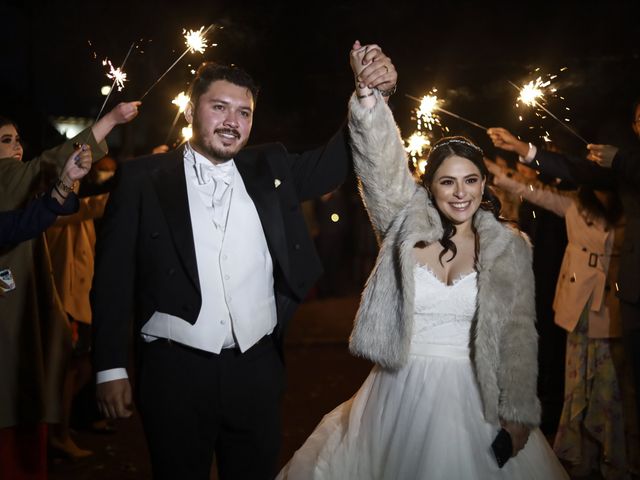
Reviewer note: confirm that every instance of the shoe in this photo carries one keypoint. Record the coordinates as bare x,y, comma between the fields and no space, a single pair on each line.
68,449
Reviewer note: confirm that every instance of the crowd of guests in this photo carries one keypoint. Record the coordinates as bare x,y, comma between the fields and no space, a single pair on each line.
586,264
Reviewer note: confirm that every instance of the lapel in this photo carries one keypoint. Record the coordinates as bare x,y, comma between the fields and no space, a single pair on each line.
171,188
258,177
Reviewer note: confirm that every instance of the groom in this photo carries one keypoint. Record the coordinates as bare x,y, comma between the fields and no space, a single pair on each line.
207,248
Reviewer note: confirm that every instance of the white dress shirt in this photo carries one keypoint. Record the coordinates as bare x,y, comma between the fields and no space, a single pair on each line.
235,269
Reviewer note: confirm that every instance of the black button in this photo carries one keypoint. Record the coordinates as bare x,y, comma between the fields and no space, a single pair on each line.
171,271
573,280
584,249
155,234
297,246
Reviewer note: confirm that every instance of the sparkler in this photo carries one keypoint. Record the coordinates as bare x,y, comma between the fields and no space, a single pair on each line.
195,41
119,77
116,74
532,94
181,100
187,133
437,107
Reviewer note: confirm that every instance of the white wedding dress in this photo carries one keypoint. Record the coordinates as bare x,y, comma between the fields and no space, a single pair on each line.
425,420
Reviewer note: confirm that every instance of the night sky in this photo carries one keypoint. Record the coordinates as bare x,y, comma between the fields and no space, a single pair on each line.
298,52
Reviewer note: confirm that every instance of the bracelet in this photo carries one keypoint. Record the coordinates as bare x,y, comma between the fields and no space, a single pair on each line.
389,92
63,186
366,95
64,197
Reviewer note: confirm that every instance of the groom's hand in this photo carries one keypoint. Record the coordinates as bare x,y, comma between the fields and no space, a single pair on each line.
114,398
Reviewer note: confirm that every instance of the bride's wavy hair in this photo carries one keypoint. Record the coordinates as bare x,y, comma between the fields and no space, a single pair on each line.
461,147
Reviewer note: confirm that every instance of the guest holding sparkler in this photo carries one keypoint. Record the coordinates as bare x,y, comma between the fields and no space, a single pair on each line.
34,345
609,169
591,434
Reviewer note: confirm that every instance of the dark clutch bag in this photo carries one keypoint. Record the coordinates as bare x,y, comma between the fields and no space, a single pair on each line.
502,447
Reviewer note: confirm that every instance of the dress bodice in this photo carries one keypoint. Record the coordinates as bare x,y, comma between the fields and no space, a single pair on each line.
442,313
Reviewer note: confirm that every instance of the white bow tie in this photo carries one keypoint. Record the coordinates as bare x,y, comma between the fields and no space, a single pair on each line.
205,172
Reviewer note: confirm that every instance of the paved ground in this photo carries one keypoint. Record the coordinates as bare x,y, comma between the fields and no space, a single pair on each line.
321,374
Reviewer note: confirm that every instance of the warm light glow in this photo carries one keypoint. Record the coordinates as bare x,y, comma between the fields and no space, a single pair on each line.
181,101
187,133
422,165
335,217
105,90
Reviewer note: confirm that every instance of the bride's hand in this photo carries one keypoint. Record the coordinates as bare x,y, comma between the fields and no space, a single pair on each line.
519,435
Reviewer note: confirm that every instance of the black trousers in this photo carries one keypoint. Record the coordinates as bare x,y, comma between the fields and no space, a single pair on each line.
195,403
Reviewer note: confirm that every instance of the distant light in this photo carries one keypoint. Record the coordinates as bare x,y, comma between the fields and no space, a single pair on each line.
335,217
104,90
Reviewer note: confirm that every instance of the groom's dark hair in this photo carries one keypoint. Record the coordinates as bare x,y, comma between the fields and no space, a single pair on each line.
210,72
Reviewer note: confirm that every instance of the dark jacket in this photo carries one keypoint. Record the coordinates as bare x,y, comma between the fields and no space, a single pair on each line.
25,223
145,254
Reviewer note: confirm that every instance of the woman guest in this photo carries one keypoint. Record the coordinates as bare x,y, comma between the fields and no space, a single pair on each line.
447,316
34,335
591,434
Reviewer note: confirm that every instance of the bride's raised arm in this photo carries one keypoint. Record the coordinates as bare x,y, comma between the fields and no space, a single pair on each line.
379,157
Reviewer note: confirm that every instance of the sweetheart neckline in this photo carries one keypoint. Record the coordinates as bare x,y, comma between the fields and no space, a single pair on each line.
456,281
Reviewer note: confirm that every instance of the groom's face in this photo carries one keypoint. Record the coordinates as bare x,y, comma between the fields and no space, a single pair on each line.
222,120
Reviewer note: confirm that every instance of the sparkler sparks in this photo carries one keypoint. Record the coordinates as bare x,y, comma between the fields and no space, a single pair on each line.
533,91
181,101
115,74
426,113
195,40
187,133
533,95
416,144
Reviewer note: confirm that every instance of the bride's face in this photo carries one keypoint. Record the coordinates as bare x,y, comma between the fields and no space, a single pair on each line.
457,189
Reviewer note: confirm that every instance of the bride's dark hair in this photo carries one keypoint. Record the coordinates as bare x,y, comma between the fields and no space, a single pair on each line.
461,147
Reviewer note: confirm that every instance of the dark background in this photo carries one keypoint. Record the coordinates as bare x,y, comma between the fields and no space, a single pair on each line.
298,52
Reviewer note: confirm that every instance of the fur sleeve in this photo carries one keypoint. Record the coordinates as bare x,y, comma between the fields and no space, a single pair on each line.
380,161
518,365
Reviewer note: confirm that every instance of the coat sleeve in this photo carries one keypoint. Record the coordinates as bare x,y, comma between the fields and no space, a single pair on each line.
518,368
18,179
574,169
112,292
19,225
626,164
322,170
380,162
545,197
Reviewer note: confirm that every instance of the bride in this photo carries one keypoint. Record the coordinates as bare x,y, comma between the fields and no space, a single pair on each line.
447,315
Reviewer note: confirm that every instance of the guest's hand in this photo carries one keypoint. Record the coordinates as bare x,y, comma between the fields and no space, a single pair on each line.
160,149
77,166
122,113
504,139
114,398
519,435
493,167
602,154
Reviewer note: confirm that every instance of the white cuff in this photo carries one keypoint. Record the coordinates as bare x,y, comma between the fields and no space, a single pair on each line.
531,154
111,375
